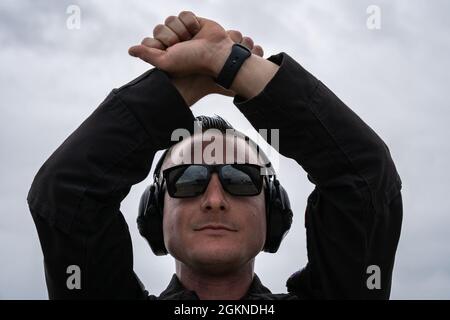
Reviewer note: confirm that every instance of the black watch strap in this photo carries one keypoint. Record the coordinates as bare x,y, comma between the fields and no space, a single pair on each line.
238,55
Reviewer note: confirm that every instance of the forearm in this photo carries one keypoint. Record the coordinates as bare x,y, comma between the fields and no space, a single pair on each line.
254,75
192,89
353,217
112,150
318,130
76,195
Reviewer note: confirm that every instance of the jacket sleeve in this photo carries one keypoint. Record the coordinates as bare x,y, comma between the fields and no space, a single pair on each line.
353,216
75,196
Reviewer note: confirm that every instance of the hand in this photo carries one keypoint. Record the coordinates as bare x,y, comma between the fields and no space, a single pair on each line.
184,28
191,42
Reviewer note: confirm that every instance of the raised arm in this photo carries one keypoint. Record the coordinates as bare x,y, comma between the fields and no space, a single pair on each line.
75,197
353,216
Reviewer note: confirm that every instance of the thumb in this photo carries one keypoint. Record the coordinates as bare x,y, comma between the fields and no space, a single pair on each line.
151,55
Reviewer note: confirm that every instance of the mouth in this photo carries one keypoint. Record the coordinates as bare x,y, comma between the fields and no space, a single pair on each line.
215,227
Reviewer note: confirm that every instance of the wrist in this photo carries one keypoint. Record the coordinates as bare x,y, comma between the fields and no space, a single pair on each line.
218,57
189,89
253,76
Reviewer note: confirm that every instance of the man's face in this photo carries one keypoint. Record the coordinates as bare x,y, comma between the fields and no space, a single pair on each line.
186,233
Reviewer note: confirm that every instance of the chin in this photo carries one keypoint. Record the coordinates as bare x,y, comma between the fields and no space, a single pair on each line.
216,256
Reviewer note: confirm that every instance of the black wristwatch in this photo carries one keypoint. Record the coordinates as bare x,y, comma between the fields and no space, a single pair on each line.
238,55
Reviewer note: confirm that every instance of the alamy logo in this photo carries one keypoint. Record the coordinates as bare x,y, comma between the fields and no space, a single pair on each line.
374,19
73,21
74,280
229,149
374,280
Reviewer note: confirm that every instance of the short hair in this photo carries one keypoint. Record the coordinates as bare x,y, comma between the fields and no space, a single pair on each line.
218,123
215,122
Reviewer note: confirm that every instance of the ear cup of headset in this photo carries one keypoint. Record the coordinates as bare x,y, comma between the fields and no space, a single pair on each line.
279,215
150,219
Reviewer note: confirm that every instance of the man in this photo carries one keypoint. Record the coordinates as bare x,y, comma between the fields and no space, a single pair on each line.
353,216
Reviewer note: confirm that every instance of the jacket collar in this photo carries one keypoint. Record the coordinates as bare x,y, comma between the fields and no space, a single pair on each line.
176,291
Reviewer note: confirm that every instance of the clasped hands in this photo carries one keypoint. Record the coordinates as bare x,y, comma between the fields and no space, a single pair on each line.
192,50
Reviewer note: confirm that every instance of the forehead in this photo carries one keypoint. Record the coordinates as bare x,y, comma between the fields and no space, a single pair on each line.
213,147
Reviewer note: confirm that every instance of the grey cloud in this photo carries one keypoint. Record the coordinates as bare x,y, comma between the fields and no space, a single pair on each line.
395,78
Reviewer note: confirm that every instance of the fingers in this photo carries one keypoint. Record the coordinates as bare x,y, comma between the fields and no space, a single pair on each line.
164,34
174,30
141,52
181,28
247,42
190,22
151,55
237,37
184,27
153,43
258,50
178,27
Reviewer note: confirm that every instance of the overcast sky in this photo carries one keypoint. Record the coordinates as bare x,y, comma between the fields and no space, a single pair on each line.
395,78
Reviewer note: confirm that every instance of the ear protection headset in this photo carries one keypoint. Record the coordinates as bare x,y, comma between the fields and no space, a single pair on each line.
150,217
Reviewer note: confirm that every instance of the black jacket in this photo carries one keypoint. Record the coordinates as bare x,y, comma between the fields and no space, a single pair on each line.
353,216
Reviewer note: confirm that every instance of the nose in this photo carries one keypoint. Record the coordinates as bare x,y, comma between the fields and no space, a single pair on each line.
214,197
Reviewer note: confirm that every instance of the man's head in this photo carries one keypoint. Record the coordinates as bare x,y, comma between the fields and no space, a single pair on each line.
215,231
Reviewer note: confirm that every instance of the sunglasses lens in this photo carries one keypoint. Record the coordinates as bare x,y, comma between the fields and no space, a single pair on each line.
192,180
187,181
242,179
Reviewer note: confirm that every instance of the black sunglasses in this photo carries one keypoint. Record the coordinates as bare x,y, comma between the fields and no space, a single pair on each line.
191,180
